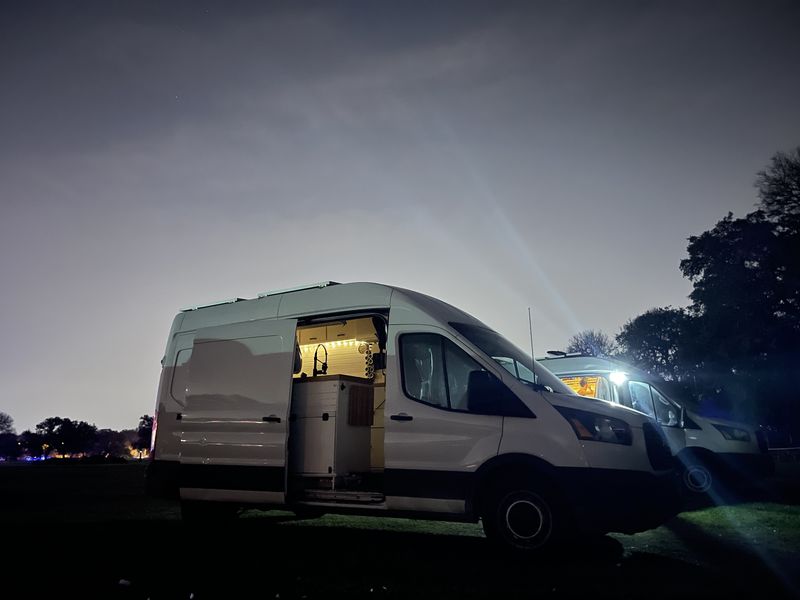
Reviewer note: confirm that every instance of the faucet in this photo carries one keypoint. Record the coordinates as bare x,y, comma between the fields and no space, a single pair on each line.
324,369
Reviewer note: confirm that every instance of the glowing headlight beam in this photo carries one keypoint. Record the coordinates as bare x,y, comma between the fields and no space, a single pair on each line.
618,377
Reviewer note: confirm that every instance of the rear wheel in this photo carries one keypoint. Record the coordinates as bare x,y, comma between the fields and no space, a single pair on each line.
525,520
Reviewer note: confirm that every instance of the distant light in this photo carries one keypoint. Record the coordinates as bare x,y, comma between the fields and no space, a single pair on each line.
618,377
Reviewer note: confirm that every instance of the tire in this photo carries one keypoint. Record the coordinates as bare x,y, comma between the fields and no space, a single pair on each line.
524,520
197,511
697,478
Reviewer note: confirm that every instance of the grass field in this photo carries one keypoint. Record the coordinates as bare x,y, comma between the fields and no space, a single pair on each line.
88,531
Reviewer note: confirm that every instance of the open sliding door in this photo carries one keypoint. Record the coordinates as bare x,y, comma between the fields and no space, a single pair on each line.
235,425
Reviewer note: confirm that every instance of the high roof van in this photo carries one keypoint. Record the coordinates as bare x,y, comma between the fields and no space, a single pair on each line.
713,453
374,400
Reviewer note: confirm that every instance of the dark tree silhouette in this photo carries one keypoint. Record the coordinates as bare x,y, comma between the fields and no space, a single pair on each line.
746,298
738,340
110,443
10,448
656,341
33,443
66,436
144,433
6,423
77,436
779,187
592,343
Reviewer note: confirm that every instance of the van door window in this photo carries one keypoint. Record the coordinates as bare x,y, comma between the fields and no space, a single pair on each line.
437,372
459,365
666,411
423,368
641,399
606,391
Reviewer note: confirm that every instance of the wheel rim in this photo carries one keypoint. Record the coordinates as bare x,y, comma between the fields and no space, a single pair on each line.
698,479
524,519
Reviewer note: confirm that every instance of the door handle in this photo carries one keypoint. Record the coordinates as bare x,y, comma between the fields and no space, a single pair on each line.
271,419
402,417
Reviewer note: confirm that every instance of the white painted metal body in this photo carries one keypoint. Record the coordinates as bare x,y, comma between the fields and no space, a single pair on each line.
226,389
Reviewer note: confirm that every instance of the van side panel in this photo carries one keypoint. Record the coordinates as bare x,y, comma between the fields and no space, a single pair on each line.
166,443
431,453
234,426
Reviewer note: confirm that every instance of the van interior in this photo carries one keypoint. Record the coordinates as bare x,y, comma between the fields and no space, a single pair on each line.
336,428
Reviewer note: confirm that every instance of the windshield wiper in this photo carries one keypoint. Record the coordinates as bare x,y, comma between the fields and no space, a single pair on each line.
539,387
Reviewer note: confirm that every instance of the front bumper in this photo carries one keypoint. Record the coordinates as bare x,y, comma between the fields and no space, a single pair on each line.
747,466
606,500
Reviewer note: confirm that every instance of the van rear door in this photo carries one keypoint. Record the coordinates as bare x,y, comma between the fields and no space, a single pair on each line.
235,423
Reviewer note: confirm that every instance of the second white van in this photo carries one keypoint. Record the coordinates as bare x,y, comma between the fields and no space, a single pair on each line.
714,454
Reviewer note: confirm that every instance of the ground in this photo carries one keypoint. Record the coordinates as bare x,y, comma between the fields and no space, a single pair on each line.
88,531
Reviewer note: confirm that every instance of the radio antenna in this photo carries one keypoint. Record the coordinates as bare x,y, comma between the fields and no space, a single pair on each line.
533,360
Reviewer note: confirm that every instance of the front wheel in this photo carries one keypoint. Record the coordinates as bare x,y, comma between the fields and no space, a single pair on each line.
697,478
524,520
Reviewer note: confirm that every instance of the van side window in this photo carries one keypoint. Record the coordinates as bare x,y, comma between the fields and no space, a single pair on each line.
180,375
436,371
640,397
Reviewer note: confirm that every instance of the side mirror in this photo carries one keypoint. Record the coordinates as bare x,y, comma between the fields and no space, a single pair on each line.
482,393
487,395
672,419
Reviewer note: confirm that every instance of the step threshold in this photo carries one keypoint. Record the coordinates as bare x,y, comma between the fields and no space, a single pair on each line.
350,496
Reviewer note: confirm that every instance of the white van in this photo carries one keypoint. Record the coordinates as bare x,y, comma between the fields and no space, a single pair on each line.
712,452
368,399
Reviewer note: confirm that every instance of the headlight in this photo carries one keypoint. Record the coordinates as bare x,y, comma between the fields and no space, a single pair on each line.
733,434
618,377
597,428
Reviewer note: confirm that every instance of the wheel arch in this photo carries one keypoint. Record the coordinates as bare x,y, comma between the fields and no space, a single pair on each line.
507,468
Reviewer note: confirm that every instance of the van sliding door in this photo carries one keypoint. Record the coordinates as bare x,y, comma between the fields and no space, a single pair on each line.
235,424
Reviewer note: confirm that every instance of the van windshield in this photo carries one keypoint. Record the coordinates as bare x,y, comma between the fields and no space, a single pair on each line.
508,356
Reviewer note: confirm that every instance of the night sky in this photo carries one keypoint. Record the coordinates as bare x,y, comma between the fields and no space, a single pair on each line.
494,155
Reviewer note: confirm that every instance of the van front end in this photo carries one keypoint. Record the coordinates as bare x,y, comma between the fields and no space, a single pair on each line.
625,500
631,482
727,452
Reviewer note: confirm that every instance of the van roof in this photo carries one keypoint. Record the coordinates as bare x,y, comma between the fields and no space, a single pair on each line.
308,286
316,299
561,365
